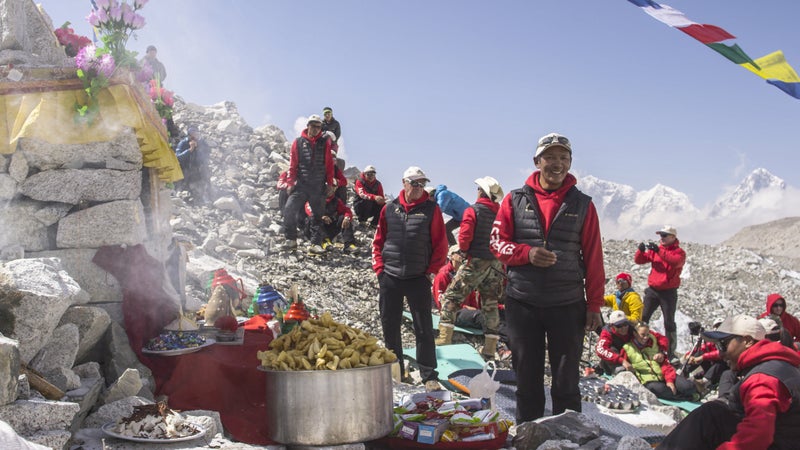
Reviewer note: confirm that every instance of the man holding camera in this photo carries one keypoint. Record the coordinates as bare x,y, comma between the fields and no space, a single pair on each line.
666,260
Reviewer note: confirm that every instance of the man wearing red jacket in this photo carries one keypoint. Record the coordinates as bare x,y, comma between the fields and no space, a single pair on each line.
763,410
776,305
548,235
481,272
666,260
408,249
310,175
335,220
613,336
369,199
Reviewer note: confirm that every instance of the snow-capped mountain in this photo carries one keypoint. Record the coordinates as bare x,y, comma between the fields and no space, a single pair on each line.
758,184
626,213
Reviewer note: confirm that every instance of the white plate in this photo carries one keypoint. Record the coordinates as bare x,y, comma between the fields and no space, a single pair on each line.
109,430
179,351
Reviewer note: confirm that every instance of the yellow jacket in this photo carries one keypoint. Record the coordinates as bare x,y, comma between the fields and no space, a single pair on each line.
631,304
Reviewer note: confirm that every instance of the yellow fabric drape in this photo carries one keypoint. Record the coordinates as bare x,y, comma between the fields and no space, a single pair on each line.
47,112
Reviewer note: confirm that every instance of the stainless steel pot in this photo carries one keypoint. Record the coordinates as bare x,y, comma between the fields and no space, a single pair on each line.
329,407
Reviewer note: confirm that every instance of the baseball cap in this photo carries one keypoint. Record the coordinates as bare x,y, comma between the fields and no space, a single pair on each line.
552,140
625,276
738,325
770,326
617,318
414,173
453,249
314,118
369,168
668,229
327,109
490,187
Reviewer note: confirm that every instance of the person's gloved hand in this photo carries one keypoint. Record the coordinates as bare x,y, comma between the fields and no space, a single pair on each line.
652,246
642,248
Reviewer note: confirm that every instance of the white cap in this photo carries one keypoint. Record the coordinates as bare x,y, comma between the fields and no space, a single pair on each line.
453,249
552,140
770,326
739,325
314,118
414,173
617,318
490,187
369,168
668,229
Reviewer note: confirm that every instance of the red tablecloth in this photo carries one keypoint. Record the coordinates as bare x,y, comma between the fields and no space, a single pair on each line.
221,378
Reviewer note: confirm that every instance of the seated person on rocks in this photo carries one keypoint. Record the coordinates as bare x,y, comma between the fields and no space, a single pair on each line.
761,411
708,359
616,333
341,183
625,299
194,156
369,198
469,315
647,354
776,333
336,219
776,305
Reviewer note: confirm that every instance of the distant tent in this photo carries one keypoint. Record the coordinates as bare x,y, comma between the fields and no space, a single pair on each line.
772,67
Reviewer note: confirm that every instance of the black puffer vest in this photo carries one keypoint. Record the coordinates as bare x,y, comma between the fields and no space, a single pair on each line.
407,250
484,219
311,163
562,283
787,425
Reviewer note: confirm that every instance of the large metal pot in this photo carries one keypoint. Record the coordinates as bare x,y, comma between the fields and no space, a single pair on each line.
329,407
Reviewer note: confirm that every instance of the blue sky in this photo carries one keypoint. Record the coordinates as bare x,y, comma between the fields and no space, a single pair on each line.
464,89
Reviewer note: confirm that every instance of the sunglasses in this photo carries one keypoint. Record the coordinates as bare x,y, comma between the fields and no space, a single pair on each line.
417,183
314,126
369,173
551,139
782,305
722,345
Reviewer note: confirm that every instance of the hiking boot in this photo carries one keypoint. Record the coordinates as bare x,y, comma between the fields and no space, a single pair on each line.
489,346
316,249
327,244
445,334
350,248
433,385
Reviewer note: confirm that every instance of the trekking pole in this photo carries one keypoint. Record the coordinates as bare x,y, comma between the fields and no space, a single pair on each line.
691,353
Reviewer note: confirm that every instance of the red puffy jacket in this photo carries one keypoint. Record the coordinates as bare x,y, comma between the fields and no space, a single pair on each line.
667,264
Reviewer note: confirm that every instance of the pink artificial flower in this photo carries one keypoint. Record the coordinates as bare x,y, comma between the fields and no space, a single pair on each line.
138,22
102,16
93,19
84,57
102,4
139,4
168,98
106,65
115,12
127,14
146,74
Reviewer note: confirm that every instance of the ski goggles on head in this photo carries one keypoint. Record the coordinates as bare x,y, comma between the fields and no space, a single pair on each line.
554,138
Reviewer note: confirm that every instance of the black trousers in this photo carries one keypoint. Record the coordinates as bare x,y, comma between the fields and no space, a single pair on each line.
322,230
685,389
559,332
450,226
368,210
295,204
417,291
667,299
704,428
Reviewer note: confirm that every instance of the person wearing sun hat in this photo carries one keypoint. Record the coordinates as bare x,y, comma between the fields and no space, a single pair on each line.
547,233
666,261
616,333
310,176
369,198
763,408
625,298
408,249
481,272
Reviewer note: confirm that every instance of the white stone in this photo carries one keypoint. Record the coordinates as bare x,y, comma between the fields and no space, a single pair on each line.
114,223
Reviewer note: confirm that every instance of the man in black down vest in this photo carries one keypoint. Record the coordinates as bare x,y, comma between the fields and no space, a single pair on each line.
761,410
548,236
409,248
310,174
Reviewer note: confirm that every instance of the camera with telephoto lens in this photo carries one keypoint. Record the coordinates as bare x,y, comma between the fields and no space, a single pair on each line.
695,328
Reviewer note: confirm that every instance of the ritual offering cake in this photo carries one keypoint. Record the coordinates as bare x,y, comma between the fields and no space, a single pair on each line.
154,422
181,333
